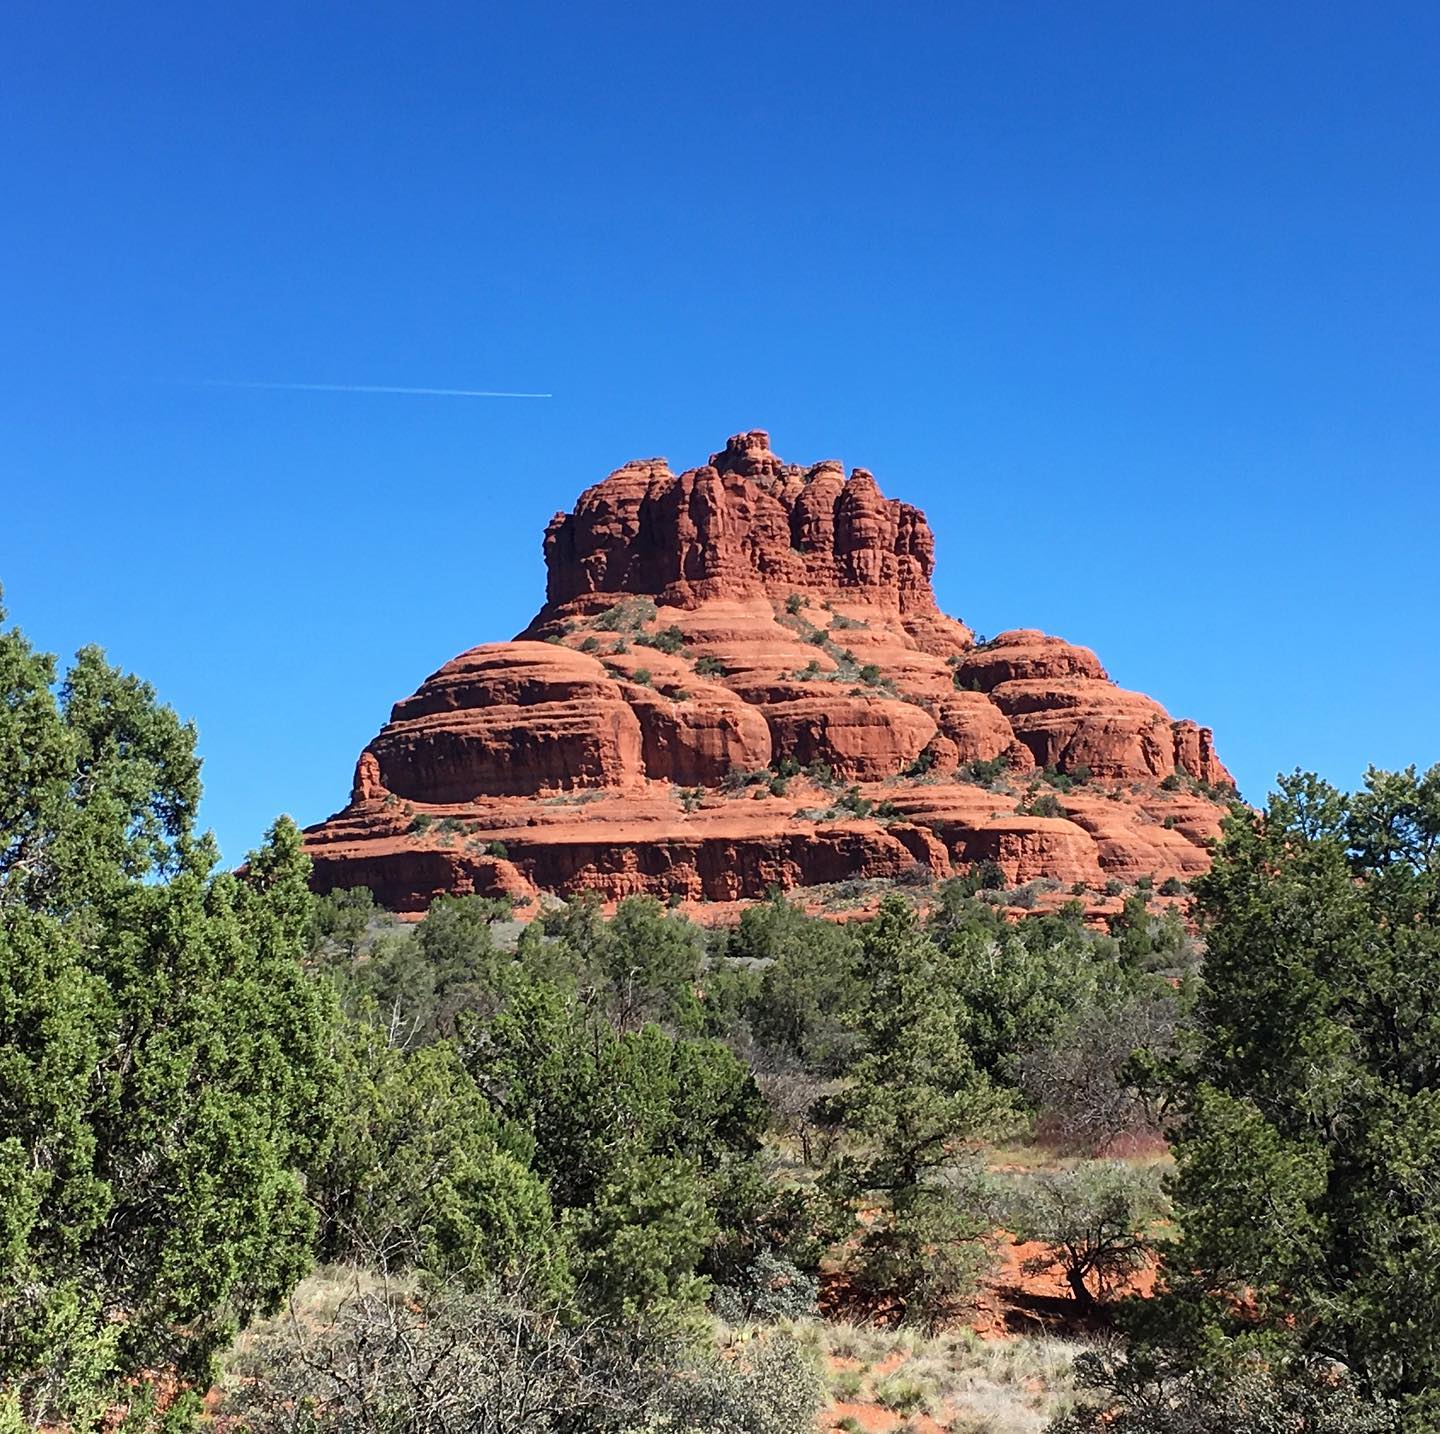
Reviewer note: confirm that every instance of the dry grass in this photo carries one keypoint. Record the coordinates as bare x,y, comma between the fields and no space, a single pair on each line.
964,1383
961,1382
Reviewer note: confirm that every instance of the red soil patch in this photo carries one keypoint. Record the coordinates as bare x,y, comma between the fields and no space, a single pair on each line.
1013,1301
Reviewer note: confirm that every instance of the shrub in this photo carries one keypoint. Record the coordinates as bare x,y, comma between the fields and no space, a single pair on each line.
903,1393
1173,886
419,1172
497,848
769,1288
402,1359
986,772
590,644
421,823
628,615
981,876
1058,779
768,1385
1256,1390
339,919
738,778
794,603
1044,805
808,994
668,639
642,676
922,763
708,666
1086,1078
1096,1222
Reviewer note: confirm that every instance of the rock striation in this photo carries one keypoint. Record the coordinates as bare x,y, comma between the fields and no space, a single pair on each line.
740,679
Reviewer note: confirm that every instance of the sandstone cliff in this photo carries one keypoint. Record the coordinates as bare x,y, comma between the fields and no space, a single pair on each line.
740,679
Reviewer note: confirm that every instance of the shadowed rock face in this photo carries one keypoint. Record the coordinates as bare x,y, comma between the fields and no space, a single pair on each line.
742,615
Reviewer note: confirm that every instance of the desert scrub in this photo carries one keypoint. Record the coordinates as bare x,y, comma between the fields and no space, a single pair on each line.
668,639
967,1384
906,1393
628,615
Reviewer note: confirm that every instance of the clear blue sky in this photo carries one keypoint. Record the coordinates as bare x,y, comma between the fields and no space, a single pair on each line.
1141,302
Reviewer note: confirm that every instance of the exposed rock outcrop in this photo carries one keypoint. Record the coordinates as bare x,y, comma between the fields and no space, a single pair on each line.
745,524
706,634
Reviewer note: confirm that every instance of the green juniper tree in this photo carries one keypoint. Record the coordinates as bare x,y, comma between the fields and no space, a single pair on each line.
642,1140
915,1100
1308,1188
165,1065
419,1172
809,987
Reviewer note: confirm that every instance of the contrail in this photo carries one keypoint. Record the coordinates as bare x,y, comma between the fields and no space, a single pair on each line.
372,388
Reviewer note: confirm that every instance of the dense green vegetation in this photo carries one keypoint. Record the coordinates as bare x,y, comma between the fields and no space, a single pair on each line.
542,1161
1304,1279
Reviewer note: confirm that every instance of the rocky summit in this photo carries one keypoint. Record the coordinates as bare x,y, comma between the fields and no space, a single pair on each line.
740,681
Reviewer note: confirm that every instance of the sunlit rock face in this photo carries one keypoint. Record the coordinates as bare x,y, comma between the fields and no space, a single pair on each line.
745,615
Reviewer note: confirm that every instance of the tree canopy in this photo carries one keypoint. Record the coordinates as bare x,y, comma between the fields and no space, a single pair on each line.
165,1066
1309,1156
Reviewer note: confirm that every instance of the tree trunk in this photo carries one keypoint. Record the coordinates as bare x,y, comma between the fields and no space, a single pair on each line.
1075,1278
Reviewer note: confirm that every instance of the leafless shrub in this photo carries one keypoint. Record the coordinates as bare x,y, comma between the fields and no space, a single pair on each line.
797,1104
420,1358
1088,1081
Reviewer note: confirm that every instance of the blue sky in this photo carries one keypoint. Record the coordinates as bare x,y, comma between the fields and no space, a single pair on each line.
1139,301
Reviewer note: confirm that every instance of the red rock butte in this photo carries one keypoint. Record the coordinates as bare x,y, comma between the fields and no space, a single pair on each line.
740,680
